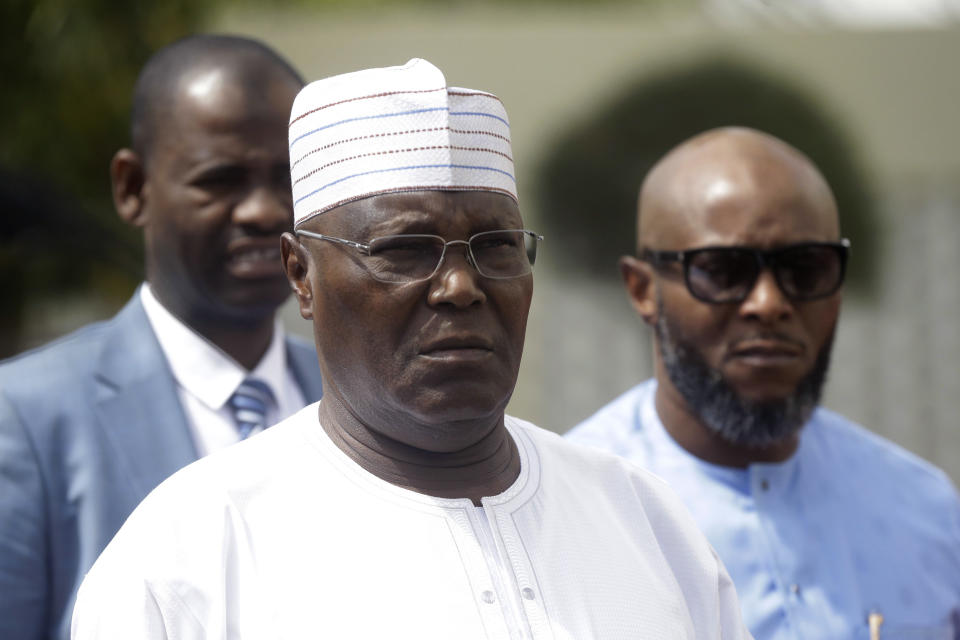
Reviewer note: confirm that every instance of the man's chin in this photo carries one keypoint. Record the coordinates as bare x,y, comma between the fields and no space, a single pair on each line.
253,303
443,410
740,405
761,383
764,393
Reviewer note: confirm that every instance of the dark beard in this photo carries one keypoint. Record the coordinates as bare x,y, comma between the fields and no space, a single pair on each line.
737,420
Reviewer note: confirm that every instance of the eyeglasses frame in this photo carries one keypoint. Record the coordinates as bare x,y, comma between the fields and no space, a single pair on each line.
365,248
765,258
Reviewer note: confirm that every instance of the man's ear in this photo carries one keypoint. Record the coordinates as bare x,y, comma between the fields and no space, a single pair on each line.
638,279
128,178
296,262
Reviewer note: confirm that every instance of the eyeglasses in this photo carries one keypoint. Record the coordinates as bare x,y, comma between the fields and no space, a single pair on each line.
503,254
718,275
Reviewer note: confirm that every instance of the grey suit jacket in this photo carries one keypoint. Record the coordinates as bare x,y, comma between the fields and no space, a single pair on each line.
88,426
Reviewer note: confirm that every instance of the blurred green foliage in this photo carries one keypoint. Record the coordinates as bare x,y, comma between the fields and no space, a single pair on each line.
588,180
68,71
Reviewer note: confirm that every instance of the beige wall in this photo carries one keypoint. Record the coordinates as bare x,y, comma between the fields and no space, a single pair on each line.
895,367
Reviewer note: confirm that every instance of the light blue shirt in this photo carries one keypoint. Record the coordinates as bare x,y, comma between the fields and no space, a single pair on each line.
850,525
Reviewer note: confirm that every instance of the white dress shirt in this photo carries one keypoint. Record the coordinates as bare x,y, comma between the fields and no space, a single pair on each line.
206,377
284,536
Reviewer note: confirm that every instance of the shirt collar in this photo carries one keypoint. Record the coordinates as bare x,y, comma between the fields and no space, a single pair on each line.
737,479
200,367
775,473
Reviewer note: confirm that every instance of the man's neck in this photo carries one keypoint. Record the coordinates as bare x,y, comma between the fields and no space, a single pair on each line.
245,341
484,468
245,344
689,431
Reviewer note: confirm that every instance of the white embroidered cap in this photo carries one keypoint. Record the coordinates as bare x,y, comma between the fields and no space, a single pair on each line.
394,129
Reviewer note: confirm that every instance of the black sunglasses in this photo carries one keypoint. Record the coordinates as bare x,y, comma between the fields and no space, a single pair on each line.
720,275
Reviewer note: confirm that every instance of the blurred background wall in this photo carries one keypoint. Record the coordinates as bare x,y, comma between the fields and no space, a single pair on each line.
595,91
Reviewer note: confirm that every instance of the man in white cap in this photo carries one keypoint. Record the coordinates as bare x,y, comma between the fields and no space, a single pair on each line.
406,504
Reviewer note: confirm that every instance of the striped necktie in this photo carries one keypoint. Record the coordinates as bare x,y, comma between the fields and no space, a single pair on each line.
249,403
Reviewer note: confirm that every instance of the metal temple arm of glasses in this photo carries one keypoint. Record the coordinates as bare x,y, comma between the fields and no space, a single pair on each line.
319,236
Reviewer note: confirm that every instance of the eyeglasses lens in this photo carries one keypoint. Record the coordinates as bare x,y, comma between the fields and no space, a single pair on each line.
809,272
728,275
504,254
721,275
408,258
404,258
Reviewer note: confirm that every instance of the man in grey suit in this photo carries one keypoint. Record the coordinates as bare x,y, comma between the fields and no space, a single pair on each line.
196,360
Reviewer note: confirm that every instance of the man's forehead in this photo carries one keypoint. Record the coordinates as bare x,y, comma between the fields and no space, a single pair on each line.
424,211
222,94
734,185
210,85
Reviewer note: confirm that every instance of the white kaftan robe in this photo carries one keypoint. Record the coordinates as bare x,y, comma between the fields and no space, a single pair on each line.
283,536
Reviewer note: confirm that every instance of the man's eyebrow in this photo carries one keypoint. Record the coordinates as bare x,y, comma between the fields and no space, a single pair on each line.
406,220
214,169
497,218
199,159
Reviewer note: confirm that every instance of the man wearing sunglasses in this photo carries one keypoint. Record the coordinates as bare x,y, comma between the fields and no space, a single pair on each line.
828,530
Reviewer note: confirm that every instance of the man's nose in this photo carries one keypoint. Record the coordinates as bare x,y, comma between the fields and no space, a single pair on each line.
766,301
457,281
265,208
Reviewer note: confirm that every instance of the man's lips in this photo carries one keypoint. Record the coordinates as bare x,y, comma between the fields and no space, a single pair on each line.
255,257
457,346
766,351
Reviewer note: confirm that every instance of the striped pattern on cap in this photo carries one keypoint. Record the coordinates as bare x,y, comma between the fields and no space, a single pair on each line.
394,129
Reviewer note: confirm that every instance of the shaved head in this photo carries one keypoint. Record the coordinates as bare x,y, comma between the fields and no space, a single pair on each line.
190,65
704,179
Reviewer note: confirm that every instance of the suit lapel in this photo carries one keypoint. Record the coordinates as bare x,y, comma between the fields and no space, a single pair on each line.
137,403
